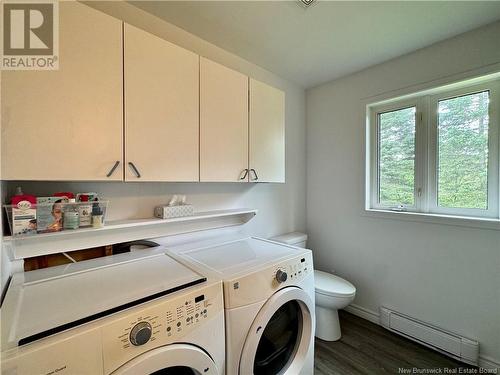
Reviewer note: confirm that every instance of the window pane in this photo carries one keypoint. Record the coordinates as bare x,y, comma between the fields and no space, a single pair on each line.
463,151
397,157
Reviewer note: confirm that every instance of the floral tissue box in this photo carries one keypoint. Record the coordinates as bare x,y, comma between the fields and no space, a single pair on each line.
169,212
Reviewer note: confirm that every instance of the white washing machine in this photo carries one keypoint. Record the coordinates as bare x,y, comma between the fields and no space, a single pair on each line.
134,313
269,302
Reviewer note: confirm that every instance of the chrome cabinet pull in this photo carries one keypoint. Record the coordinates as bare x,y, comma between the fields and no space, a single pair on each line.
244,175
136,171
255,174
112,170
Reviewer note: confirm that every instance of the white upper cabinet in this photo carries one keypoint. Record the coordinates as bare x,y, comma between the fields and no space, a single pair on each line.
223,123
128,105
67,124
266,133
161,109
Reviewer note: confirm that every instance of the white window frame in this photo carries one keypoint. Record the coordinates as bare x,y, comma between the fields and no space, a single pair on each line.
493,140
426,163
375,199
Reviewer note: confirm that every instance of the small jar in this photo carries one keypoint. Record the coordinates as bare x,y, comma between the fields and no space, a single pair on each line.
97,221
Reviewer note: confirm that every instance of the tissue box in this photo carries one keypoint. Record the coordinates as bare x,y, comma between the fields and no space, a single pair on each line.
169,212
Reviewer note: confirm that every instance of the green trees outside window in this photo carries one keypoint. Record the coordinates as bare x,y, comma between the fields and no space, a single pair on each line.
463,124
397,157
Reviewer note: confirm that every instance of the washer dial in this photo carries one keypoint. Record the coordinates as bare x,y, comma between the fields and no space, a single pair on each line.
140,334
281,276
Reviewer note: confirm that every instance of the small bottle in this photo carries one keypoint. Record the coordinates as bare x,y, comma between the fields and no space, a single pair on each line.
71,218
97,216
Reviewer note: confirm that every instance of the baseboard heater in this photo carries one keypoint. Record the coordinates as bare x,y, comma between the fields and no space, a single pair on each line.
448,343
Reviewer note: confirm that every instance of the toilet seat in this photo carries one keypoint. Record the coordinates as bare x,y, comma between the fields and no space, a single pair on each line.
331,285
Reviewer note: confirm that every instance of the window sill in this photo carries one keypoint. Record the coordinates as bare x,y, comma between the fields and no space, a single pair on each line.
462,221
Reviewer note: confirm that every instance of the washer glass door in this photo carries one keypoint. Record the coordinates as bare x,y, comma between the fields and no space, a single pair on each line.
176,370
280,336
279,339
173,359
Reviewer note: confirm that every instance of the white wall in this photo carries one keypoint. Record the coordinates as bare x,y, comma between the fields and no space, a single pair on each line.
446,275
281,206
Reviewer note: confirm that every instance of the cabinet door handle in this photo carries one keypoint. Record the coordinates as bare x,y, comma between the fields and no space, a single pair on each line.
112,170
136,171
244,175
255,174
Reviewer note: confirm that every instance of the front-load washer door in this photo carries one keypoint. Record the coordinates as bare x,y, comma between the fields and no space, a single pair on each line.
280,336
175,359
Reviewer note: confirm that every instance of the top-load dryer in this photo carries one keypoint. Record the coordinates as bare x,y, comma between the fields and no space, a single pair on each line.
133,313
269,302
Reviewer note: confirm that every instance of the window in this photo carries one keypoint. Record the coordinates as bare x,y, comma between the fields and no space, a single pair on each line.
436,152
396,157
462,151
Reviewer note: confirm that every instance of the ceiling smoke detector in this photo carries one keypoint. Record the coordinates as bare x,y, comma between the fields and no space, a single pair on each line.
306,3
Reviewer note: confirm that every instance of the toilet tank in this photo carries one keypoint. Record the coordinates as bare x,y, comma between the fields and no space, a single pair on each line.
294,238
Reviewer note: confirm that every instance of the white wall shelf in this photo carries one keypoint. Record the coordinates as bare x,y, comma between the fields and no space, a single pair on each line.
123,231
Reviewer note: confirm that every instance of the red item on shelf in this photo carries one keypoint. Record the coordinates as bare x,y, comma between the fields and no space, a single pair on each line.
24,197
67,195
23,214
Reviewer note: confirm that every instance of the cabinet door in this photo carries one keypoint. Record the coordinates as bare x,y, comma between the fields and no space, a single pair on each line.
67,124
267,133
223,123
161,109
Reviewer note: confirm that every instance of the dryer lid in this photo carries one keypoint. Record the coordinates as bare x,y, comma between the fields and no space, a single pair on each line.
239,256
43,302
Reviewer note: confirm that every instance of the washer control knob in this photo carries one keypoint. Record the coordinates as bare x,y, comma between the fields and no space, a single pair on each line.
281,276
140,334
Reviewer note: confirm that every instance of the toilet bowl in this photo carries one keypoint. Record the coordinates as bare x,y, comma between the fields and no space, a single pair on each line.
331,294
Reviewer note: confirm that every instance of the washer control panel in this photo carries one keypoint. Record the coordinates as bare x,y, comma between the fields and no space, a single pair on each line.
169,320
159,322
254,286
291,271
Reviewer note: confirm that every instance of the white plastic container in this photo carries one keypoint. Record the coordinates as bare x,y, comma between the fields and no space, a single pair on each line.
65,207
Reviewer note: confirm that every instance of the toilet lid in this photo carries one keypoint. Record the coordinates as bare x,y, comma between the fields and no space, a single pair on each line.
326,283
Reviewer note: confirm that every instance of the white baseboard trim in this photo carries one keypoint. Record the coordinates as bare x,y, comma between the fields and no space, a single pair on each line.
374,317
488,363
367,314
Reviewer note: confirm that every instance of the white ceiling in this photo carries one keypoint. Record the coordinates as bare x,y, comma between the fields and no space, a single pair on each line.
328,40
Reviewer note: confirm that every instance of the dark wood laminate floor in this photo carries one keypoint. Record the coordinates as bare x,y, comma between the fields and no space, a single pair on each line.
366,348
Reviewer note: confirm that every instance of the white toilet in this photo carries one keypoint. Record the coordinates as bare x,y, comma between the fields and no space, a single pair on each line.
332,293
